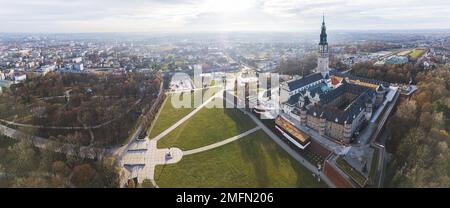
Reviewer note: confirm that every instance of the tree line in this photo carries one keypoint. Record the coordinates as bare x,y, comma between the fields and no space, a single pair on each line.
23,165
420,134
81,100
394,73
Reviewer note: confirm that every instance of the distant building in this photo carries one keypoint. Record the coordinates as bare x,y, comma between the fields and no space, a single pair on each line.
396,60
78,67
77,60
68,66
198,67
46,69
20,77
119,71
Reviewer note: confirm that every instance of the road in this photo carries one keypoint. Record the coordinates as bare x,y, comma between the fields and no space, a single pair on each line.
385,117
381,160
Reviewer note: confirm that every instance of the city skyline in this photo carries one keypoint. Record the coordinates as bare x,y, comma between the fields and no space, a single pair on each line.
218,16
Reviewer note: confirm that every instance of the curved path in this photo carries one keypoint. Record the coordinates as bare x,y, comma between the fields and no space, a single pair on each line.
293,153
71,127
60,147
221,143
141,157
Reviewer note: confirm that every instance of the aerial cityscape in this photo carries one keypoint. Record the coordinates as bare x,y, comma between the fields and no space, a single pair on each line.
317,100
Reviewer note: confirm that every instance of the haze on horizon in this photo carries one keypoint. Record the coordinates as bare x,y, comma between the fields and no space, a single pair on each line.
75,16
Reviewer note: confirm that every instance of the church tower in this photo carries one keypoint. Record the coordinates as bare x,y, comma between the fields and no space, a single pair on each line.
322,62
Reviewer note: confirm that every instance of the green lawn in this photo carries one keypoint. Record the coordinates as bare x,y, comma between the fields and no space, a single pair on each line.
416,53
252,161
147,184
350,171
374,166
169,115
207,126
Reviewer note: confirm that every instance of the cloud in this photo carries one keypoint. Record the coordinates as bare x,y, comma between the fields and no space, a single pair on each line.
218,15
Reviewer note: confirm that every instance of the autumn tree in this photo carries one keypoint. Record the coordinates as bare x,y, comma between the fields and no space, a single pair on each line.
83,176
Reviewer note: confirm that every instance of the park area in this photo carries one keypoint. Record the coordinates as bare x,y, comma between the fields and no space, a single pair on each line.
84,109
222,147
207,126
169,115
252,161
416,53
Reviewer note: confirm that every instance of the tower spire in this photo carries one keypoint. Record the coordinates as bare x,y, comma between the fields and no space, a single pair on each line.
322,62
323,17
323,32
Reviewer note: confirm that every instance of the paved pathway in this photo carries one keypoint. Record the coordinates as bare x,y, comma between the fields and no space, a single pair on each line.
221,143
288,149
148,157
141,162
151,156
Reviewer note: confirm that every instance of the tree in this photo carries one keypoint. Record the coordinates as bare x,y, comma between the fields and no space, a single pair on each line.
419,128
25,157
109,177
83,176
30,182
295,66
60,168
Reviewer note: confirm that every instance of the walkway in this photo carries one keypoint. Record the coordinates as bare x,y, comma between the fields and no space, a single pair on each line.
221,143
187,117
141,162
71,127
288,149
147,156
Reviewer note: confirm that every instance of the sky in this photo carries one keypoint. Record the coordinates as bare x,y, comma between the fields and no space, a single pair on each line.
75,16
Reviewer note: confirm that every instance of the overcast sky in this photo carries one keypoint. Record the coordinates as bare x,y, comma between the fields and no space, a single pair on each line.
219,15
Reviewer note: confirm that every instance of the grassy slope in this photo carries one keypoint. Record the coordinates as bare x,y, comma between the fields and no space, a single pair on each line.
252,161
416,53
170,115
208,126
